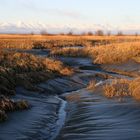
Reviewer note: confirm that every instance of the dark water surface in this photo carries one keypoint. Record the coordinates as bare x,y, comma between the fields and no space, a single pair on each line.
93,117
71,112
42,121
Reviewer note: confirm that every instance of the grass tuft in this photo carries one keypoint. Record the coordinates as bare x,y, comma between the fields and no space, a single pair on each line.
118,88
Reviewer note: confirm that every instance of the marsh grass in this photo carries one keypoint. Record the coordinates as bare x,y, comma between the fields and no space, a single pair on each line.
104,54
40,42
27,69
116,53
7,105
91,85
71,52
59,41
134,88
118,88
123,88
22,69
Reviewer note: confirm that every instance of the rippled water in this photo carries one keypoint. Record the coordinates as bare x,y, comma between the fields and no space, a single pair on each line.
76,115
92,116
42,121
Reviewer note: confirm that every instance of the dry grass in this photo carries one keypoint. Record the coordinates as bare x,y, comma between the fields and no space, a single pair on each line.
104,54
25,69
46,41
134,88
116,53
123,87
118,88
72,52
120,48
137,59
23,62
22,69
91,85
7,105
39,42
109,49
57,66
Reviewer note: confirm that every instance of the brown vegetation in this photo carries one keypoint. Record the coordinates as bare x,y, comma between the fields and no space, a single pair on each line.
49,41
104,54
21,68
122,88
110,53
7,105
39,41
134,88
91,85
116,53
118,88
73,52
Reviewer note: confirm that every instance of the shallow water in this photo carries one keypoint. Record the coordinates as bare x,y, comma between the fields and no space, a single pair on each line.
92,116
76,62
42,121
67,111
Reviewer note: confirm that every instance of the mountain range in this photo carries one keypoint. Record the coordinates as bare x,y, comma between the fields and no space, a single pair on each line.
37,27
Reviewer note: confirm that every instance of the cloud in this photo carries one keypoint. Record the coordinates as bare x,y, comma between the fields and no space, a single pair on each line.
69,14
32,6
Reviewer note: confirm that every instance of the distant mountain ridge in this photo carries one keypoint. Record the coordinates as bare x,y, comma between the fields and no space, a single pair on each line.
21,27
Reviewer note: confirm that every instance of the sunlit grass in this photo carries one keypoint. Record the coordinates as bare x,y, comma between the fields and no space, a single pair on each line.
123,88
16,68
116,53
118,88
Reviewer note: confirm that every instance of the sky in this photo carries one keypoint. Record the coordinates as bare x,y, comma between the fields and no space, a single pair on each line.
78,15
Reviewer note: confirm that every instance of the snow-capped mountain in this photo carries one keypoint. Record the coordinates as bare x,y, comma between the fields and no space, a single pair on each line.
37,27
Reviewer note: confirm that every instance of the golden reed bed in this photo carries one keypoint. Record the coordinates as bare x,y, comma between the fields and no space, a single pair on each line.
48,41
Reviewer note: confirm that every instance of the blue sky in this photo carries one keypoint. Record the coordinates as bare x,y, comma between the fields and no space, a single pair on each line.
62,12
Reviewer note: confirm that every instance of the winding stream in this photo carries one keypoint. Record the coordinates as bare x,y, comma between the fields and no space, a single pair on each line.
72,112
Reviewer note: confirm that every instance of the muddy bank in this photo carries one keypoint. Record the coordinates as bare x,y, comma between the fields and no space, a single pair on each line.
42,121
130,68
76,61
46,115
62,108
60,85
91,116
